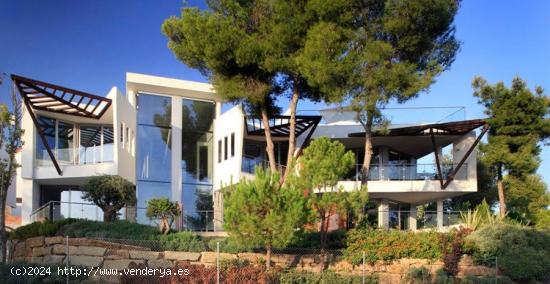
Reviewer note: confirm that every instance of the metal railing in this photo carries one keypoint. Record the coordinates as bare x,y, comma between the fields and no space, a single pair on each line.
407,172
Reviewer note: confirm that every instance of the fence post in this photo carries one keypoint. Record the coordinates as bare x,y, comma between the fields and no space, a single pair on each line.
217,262
363,268
67,257
496,269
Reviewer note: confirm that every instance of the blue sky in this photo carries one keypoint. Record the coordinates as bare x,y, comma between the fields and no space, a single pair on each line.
89,45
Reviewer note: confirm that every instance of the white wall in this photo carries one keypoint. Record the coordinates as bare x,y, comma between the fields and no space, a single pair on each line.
228,171
124,113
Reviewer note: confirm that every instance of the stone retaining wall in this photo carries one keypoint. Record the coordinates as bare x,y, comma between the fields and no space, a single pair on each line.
96,253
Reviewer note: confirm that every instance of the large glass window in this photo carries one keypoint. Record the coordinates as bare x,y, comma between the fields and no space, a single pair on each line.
48,126
65,142
196,163
90,144
154,152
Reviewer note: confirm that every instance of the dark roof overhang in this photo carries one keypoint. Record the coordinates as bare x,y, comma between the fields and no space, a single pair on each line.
280,125
447,128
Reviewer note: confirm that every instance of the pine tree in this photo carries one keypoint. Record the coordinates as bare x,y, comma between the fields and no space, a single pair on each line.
264,214
519,122
386,50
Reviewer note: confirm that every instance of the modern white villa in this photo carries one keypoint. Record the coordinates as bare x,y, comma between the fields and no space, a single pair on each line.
170,138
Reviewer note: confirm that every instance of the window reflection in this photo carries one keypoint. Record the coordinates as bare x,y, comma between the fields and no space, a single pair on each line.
90,144
48,128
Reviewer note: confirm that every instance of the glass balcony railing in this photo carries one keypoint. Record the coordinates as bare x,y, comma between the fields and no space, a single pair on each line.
250,163
407,172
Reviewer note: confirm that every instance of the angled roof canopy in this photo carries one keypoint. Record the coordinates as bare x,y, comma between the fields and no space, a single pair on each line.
447,128
49,97
280,125
44,96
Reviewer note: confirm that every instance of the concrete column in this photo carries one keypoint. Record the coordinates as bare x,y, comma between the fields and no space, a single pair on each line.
412,217
30,197
176,137
460,147
383,214
439,213
218,210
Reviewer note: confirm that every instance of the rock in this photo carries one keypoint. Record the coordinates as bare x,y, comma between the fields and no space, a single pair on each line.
252,257
54,259
466,260
87,250
34,242
37,259
159,263
139,254
121,263
40,251
117,254
54,240
85,260
20,249
283,258
62,249
210,257
180,255
476,270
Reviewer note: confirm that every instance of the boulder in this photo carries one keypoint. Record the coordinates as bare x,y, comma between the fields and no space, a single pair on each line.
87,250
117,254
180,255
85,260
54,240
140,254
40,251
159,263
54,259
121,263
210,257
34,242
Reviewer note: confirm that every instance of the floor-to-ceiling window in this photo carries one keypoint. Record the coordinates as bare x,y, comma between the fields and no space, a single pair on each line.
196,163
154,151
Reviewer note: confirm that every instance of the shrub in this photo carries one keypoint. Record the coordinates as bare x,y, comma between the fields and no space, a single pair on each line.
389,245
47,229
182,241
452,247
111,230
110,193
326,277
523,253
471,279
229,245
165,211
418,275
335,240
441,277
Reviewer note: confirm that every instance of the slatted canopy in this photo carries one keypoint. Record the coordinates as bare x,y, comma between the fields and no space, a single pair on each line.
280,125
38,95
49,97
447,128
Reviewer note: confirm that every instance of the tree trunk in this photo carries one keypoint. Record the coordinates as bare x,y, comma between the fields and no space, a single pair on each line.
3,239
501,199
269,141
292,134
109,214
368,148
268,257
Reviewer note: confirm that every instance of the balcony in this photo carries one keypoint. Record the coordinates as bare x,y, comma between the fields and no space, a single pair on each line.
406,172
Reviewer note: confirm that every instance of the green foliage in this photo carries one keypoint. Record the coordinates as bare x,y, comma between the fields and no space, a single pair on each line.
264,214
519,122
389,245
441,277
48,274
229,245
335,240
110,193
418,275
479,217
322,165
523,253
119,229
164,210
528,199
47,228
182,241
325,277
472,279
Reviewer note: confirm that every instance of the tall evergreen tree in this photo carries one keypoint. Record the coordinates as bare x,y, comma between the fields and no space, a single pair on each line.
387,50
519,123
226,44
264,214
